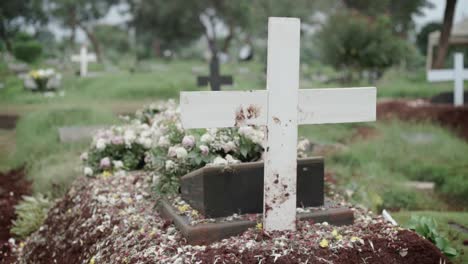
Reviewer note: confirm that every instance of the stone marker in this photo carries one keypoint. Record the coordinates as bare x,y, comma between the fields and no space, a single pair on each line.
214,80
83,58
216,191
77,133
281,108
458,74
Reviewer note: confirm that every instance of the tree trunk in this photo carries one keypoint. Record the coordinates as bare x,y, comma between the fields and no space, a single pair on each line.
94,42
5,38
445,34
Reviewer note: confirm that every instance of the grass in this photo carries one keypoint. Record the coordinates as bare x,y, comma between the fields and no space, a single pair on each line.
375,170
443,218
51,164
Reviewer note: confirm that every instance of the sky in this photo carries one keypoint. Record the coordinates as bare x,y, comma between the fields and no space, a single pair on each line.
435,14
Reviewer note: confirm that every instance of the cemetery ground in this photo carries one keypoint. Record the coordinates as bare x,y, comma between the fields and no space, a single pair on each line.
369,164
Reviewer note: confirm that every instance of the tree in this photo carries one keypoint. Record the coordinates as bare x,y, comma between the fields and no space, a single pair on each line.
401,12
81,14
353,43
445,33
17,13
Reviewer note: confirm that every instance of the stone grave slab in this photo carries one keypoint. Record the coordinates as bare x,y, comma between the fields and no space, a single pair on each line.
77,133
218,191
206,233
8,121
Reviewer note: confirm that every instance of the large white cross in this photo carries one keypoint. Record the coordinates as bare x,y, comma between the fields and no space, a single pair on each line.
281,108
83,58
458,74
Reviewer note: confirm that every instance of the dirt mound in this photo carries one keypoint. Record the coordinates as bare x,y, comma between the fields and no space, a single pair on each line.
112,220
453,118
13,185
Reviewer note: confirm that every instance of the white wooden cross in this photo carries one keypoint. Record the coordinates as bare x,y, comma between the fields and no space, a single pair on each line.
83,58
281,108
457,75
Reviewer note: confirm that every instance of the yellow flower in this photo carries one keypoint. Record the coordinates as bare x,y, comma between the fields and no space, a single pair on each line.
259,226
334,232
323,243
183,208
339,237
92,260
354,239
142,230
21,244
194,213
34,74
106,174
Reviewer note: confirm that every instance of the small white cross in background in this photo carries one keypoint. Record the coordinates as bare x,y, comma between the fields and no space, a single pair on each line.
83,58
457,75
281,108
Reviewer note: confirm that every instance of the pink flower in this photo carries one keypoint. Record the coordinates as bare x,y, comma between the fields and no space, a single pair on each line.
204,150
188,142
105,163
117,140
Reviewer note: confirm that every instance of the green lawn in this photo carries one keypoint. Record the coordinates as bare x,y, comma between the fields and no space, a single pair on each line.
443,219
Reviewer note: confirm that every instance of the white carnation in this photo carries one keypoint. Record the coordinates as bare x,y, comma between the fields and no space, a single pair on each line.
129,137
171,152
181,152
118,164
206,138
88,171
100,144
163,141
230,159
219,161
229,146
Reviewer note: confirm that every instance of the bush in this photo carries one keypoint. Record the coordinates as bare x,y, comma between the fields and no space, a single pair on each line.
31,213
397,199
28,51
354,43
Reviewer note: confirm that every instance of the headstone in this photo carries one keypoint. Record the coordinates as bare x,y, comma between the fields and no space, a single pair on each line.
18,68
218,192
281,108
214,80
83,58
77,133
458,74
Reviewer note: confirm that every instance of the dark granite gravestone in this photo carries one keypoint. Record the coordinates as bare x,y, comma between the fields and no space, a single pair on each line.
214,80
218,191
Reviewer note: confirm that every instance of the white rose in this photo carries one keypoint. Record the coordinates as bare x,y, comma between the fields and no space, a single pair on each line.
163,141
219,161
246,131
88,171
118,164
170,165
231,159
100,144
206,138
204,150
303,145
188,142
147,142
181,153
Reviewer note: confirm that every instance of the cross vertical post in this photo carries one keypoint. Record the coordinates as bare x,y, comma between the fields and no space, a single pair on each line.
279,210
458,91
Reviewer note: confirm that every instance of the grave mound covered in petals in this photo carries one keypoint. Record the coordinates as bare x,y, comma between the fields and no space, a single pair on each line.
111,219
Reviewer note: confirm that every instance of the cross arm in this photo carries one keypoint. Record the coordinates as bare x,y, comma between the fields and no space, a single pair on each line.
444,75
316,106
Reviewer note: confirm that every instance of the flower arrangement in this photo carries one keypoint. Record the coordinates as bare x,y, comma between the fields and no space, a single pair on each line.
155,140
41,77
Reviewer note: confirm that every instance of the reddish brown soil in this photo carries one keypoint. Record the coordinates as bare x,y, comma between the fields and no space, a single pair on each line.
13,185
453,118
8,121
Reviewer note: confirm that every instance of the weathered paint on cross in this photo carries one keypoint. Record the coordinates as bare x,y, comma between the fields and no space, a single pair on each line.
458,74
281,108
83,58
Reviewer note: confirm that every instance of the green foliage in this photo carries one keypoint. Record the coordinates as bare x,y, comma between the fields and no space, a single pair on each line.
355,43
31,213
427,227
423,35
25,48
402,198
